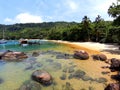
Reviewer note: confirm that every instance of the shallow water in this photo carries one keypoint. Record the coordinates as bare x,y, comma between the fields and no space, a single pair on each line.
14,74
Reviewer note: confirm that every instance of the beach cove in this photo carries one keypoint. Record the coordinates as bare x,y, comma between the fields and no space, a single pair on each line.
15,74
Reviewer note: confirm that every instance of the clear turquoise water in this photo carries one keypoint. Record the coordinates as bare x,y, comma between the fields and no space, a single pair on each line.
14,74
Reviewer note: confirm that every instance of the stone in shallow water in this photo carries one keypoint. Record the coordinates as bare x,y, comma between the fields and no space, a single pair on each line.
101,80
49,60
65,69
42,77
30,85
29,67
56,65
63,77
39,64
91,88
32,58
1,80
79,74
86,78
64,56
35,54
67,86
71,69
70,76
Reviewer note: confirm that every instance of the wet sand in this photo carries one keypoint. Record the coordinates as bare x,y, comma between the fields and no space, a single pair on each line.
92,47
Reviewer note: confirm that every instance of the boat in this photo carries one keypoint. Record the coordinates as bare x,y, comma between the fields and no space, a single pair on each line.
23,42
3,40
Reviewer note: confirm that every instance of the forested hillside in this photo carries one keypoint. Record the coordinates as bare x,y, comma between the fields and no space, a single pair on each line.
86,30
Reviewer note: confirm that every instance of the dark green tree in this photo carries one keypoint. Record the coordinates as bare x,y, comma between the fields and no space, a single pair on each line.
100,29
114,11
86,28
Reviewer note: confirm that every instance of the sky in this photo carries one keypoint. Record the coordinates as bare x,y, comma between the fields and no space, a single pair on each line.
38,11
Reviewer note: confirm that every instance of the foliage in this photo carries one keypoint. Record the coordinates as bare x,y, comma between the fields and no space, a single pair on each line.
98,31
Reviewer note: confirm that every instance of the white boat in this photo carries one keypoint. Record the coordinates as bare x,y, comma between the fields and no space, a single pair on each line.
3,40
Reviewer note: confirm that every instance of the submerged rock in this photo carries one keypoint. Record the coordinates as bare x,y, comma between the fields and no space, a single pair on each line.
30,85
29,67
1,80
39,64
79,74
71,69
113,86
49,60
56,66
67,86
83,55
101,57
101,80
63,56
35,54
86,78
42,77
32,58
63,77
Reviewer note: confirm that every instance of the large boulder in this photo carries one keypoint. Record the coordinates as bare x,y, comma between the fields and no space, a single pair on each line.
11,55
113,86
42,77
115,64
101,57
83,55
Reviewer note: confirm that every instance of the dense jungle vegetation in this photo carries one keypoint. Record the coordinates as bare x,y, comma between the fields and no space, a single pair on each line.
98,30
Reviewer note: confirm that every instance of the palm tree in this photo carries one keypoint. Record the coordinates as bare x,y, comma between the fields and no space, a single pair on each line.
98,29
86,27
114,10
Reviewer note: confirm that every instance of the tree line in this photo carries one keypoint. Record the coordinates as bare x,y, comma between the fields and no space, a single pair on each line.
98,31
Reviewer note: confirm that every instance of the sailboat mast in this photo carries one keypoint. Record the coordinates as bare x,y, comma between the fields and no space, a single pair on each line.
3,33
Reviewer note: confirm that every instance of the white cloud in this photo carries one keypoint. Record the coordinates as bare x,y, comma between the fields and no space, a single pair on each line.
99,7
8,20
25,18
72,5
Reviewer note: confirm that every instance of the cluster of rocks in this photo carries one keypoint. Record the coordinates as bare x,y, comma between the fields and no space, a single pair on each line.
12,55
83,55
59,55
114,66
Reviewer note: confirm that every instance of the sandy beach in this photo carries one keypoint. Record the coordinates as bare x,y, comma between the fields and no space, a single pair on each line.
111,51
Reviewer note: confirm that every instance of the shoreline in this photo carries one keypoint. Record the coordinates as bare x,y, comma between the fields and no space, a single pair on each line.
93,46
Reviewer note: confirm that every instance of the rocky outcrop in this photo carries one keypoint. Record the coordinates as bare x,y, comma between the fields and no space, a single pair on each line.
113,86
83,55
11,56
42,77
101,57
115,64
